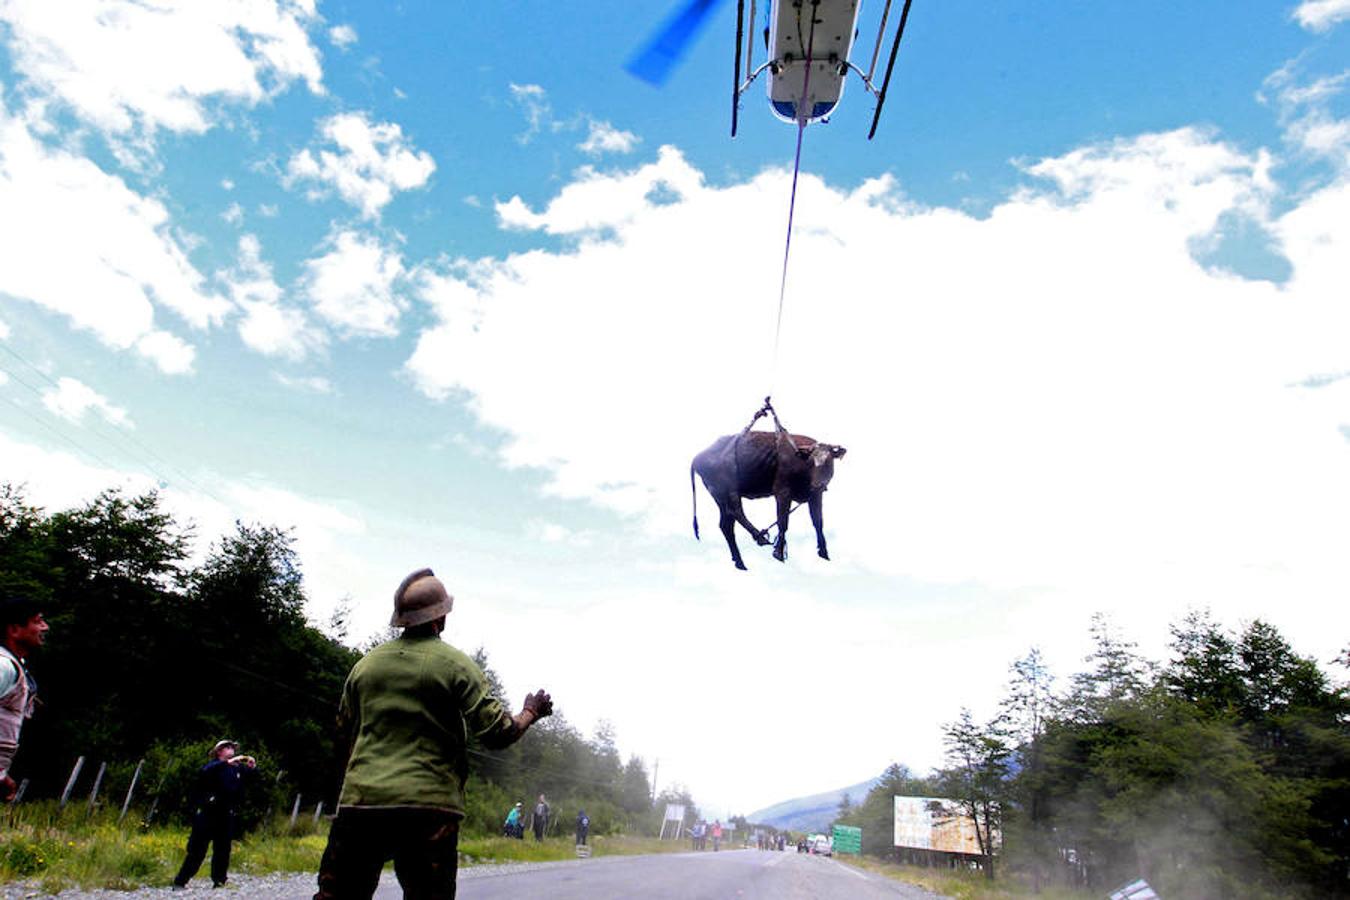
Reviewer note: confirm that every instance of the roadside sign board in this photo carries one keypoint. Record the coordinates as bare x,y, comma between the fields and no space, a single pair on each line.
935,823
847,839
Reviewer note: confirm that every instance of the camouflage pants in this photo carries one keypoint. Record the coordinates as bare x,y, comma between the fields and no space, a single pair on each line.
423,843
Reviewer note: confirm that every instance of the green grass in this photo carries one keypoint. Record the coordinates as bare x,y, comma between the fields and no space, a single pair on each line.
54,852
962,884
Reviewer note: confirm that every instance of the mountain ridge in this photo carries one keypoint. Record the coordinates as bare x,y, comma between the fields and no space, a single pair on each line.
811,813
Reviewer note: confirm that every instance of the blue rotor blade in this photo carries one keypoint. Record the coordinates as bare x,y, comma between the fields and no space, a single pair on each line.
654,62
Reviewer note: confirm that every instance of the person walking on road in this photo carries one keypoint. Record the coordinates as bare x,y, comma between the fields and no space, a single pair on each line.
540,818
24,631
717,834
406,710
216,799
583,827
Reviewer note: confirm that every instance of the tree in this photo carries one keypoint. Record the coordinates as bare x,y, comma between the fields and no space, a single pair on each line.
26,546
1027,705
977,777
1204,669
635,789
1117,673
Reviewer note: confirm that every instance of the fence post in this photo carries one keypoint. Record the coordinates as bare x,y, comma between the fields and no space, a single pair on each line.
93,793
154,805
70,782
295,810
126,804
318,811
14,801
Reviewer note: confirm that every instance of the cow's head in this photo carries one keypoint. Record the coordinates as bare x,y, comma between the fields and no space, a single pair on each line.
822,463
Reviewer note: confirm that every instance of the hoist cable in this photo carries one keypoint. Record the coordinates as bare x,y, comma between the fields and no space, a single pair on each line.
802,117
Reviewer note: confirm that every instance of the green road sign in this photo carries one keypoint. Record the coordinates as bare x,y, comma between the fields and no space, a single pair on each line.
847,839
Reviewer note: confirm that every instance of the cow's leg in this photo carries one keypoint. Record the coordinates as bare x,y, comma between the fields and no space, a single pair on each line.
818,520
737,510
784,507
728,525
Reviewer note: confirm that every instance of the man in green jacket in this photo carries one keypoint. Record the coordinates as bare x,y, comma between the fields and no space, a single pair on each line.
406,712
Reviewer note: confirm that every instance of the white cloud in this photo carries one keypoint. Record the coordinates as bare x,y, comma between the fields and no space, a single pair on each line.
310,384
1321,15
80,243
605,138
370,164
72,400
233,214
1030,400
597,201
170,353
155,64
342,36
550,532
269,325
1305,112
533,101
352,286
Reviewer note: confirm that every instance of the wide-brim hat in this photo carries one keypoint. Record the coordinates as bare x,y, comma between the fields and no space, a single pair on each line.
219,744
419,599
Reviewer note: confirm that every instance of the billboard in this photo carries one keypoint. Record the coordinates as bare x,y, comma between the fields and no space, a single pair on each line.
935,823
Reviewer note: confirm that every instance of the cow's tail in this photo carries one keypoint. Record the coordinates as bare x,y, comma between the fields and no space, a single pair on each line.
693,490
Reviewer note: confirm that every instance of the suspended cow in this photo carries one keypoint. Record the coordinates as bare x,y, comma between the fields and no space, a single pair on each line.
791,468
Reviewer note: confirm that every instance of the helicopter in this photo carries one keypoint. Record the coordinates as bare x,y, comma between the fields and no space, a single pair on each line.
808,43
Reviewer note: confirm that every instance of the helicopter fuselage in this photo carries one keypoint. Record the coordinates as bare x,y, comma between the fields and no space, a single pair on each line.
795,95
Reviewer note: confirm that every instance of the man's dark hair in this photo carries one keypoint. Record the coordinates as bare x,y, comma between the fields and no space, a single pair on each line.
15,610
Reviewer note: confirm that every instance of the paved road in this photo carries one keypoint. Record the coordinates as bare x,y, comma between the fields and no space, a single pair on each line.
728,875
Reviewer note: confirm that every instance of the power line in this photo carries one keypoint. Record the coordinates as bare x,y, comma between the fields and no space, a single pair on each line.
155,463
62,435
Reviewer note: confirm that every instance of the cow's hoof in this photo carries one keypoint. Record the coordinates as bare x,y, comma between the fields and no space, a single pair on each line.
740,565
780,554
763,538
823,553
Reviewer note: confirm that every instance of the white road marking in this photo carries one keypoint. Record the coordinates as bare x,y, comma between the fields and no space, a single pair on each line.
852,871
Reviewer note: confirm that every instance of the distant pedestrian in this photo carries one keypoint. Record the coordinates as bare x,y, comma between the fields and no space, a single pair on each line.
216,799
583,827
541,811
406,710
24,631
514,826
717,834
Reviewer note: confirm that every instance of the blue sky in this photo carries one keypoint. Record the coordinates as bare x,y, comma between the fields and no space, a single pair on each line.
445,286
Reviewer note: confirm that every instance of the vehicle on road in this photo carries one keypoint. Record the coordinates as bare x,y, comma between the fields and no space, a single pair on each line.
821,845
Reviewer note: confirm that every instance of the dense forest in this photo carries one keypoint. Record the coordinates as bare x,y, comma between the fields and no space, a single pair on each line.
153,658
1222,772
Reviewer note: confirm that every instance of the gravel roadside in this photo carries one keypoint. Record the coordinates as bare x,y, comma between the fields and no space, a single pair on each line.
265,887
